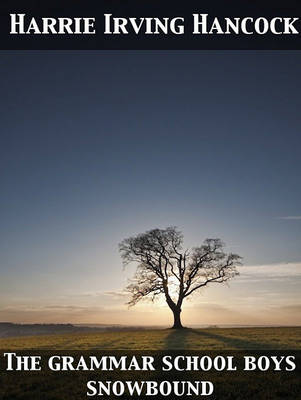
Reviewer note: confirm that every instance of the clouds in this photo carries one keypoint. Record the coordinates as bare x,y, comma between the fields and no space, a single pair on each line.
117,294
49,309
291,218
78,314
279,271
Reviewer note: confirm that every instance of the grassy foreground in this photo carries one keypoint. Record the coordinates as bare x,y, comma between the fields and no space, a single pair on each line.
188,339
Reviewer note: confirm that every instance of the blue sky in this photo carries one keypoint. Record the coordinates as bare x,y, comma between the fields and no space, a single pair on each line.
97,146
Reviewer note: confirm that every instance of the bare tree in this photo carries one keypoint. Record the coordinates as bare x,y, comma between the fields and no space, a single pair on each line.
164,268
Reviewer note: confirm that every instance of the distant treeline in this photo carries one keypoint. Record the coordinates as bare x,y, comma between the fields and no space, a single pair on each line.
8,329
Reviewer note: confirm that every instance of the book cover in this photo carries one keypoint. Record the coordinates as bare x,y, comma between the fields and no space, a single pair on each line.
150,200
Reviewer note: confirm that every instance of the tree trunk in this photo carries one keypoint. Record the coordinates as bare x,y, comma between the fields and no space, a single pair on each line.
177,319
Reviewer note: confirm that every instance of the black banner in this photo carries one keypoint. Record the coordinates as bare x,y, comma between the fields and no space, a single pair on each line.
119,374
150,25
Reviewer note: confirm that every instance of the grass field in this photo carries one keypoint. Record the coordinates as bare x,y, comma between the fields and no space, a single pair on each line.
188,339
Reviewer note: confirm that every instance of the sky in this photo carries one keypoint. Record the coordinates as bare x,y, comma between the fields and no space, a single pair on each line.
98,146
